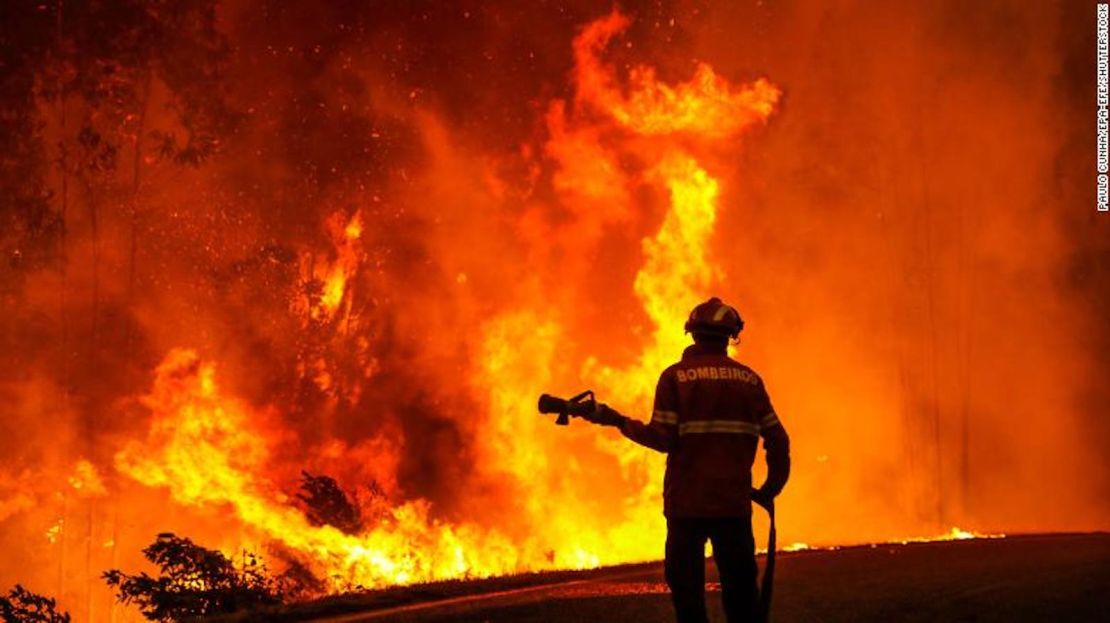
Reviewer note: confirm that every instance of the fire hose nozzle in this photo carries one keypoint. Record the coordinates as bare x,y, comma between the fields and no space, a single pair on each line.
577,406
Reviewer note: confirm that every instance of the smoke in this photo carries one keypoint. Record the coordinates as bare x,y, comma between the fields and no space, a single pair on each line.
910,237
917,250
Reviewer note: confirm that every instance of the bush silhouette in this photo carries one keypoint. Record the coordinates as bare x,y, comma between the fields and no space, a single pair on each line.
23,606
193,582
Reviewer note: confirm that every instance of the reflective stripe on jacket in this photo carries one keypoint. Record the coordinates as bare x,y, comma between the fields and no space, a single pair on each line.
709,414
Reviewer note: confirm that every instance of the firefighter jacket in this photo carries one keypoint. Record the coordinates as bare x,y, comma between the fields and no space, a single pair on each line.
710,412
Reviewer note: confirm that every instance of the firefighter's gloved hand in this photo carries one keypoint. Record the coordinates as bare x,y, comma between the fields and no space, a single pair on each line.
763,498
604,416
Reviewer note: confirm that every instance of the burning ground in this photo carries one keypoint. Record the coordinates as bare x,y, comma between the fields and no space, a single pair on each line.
248,239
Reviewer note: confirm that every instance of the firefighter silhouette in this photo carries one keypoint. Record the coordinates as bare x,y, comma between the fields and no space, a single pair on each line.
710,411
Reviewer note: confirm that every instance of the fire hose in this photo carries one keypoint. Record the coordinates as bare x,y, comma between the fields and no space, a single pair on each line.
768,583
585,403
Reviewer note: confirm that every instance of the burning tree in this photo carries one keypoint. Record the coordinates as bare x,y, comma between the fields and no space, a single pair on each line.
194,581
328,504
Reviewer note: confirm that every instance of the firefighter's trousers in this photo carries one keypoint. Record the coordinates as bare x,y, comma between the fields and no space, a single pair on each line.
734,554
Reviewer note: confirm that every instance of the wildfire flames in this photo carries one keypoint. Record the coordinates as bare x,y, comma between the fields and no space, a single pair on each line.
348,279
208,448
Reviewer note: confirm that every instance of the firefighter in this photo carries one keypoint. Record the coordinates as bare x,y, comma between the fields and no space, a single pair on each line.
709,414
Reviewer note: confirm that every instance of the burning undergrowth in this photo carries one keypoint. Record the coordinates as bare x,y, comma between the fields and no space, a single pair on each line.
211,450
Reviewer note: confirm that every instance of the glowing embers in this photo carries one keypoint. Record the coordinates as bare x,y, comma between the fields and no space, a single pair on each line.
955,534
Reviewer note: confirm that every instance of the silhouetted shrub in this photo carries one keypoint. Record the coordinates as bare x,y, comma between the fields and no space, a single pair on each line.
298,582
194,581
23,606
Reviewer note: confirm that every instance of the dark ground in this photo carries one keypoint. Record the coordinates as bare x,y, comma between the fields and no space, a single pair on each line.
1062,577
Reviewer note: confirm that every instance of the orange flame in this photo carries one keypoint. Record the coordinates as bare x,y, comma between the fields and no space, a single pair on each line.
335,275
676,274
706,106
210,449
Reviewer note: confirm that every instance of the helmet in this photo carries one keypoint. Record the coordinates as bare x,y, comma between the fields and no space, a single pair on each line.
714,317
